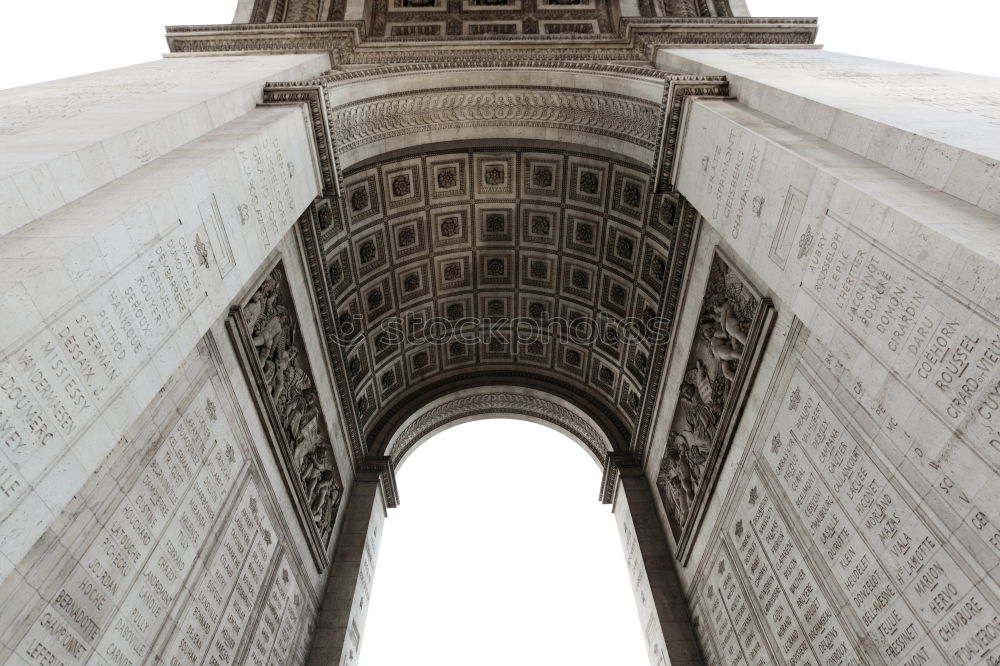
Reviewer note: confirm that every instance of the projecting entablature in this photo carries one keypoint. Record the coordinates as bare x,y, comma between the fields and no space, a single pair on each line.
405,18
453,31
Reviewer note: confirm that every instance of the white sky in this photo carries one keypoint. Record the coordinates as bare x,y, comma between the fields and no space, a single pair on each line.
500,553
41,41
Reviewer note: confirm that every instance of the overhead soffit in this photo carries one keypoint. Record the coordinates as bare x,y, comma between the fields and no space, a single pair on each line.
510,224
482,236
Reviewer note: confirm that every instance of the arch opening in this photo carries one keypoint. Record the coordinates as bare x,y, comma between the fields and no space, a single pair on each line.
474,404
500,555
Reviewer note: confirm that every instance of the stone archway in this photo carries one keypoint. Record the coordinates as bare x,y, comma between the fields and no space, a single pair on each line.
504,216
667,626
491,402
174,414
476,254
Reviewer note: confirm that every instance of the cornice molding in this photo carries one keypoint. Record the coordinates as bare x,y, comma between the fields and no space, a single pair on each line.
494,63
383,470
309,231
314,97
676,91
347,43
685,219
616,466
337,39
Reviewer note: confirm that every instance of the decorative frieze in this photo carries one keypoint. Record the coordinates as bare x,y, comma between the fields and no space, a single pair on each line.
733,324
375,119
566,36
266,329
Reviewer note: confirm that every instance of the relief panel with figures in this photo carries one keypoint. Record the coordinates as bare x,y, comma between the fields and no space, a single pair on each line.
733,324
267,331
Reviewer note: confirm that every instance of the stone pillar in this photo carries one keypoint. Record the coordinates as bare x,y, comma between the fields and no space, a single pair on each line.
64,139
663,609
135,205
864,197
934,126
340,622
106,296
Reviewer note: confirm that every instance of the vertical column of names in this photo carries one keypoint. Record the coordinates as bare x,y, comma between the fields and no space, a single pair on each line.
733,617
904,585
89,601
224,597
800,618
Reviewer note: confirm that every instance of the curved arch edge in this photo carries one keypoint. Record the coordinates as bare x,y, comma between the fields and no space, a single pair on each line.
474,404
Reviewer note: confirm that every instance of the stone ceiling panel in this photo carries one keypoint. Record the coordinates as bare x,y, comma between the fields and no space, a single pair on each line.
530,265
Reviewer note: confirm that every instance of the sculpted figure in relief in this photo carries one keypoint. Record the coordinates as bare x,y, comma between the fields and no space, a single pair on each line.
289,387
724,322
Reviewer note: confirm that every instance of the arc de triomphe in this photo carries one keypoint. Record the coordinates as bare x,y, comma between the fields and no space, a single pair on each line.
755,280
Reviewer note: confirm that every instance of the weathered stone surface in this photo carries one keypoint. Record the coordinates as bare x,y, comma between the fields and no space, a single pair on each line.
937,127
170,488
64,139
107,295
856,523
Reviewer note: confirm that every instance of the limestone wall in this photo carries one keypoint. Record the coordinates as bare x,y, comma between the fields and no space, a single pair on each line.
177,547
64,139
147,511
855,519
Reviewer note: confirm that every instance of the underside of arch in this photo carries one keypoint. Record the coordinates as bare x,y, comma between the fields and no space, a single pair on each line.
512,254
498,401
498,264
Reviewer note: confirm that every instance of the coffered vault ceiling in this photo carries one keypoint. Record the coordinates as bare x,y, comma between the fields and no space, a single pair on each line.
504,214
473,239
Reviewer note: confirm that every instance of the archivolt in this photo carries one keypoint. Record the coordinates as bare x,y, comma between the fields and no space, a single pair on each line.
498,402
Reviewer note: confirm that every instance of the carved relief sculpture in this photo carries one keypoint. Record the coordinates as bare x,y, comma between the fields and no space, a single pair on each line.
267,333
732,328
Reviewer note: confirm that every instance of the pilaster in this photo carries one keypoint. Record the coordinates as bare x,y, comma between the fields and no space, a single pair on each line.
857,194
663,609
341,618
